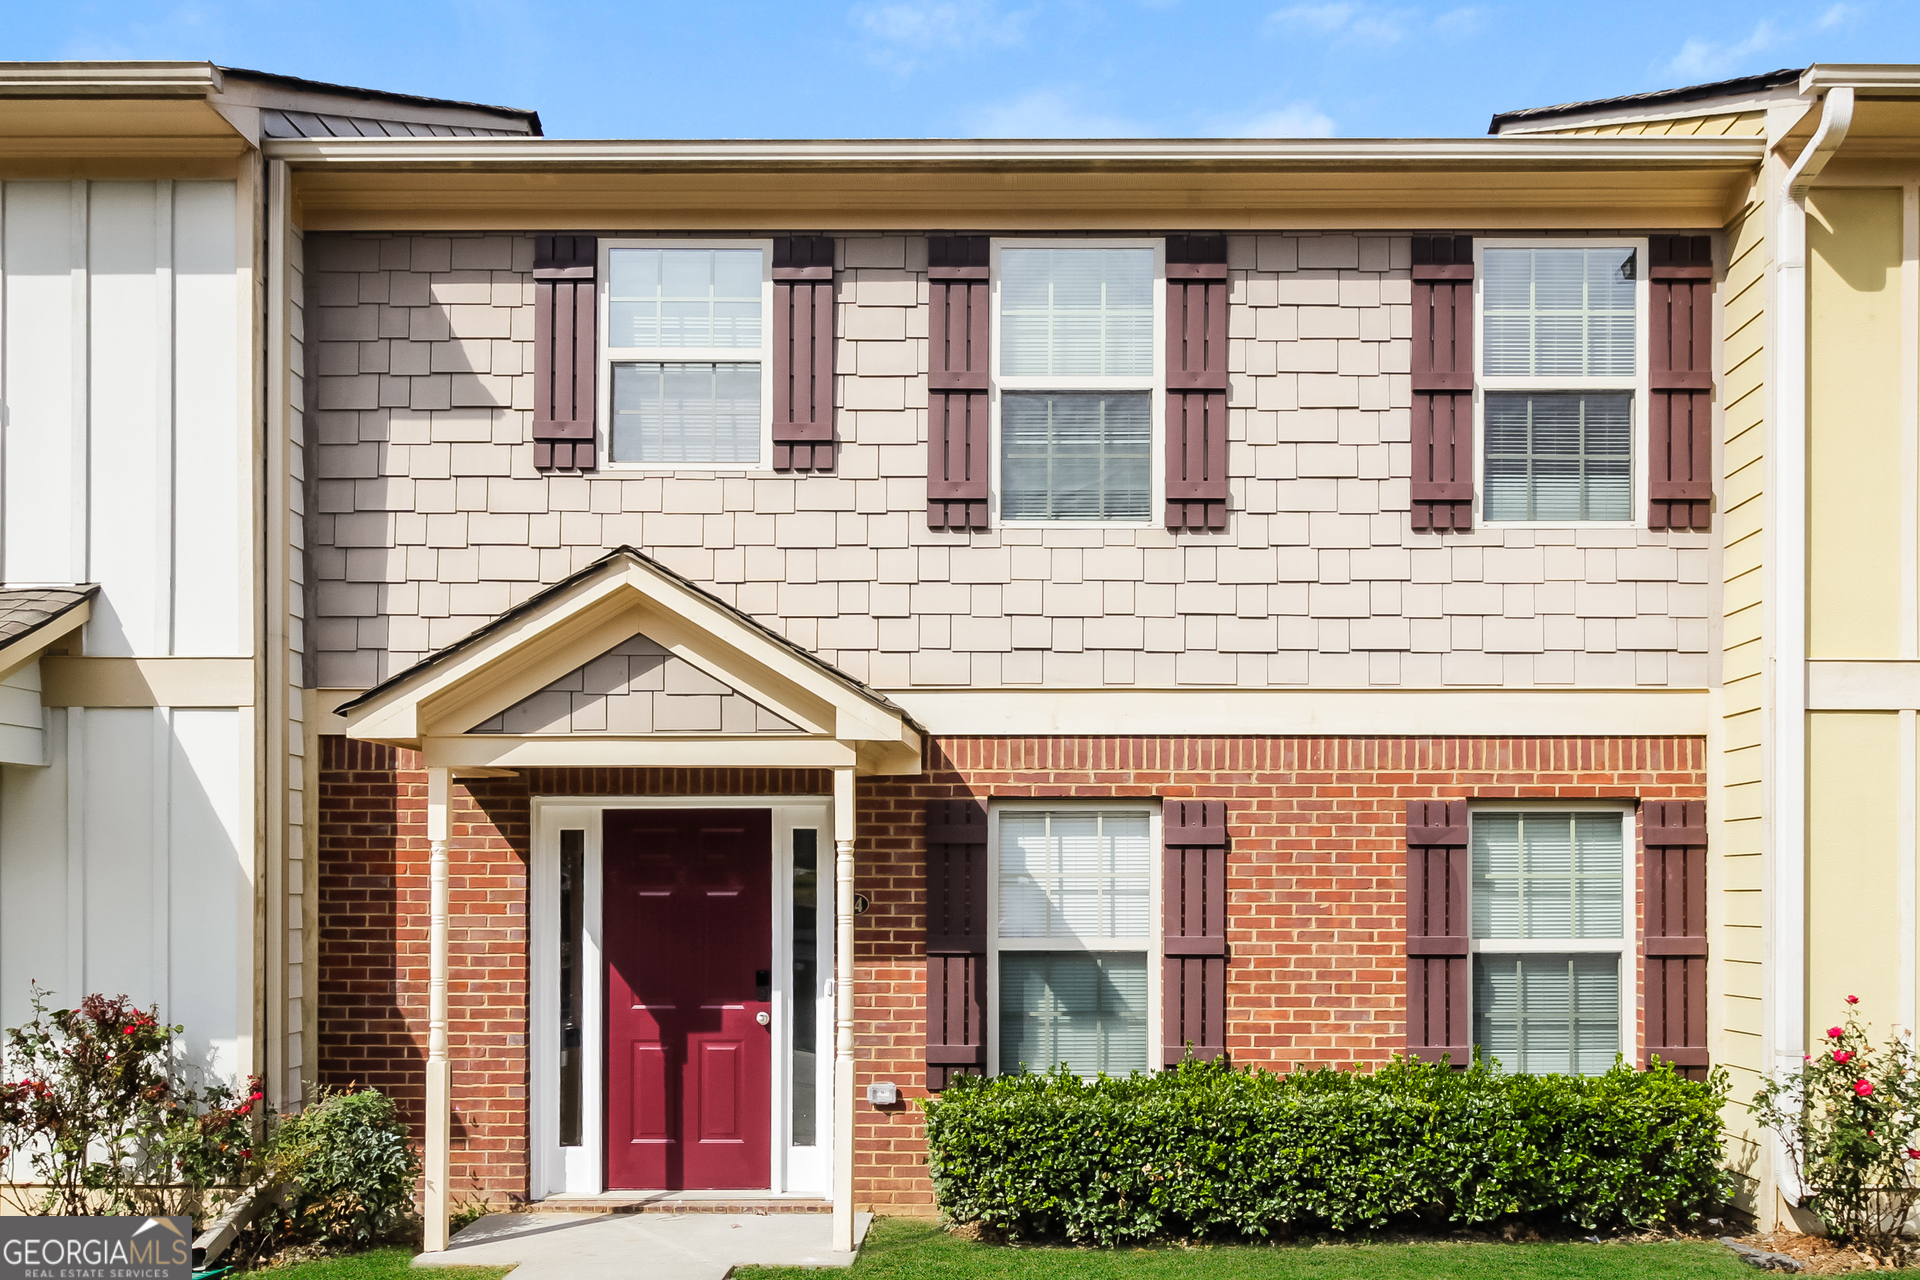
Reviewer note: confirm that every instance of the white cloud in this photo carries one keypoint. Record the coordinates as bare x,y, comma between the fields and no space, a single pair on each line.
1463,21
1834,16
1047,113
1295,120
1353,23
1706,60
898,33
1324,18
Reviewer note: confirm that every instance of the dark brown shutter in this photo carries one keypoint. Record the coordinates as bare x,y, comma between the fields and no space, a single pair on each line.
958,328
1197,382
1193,929
803,353
1437,966
1680,377
565,354
1674,964
956,940
1442,367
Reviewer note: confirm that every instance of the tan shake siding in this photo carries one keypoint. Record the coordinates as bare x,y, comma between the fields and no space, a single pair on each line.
430,518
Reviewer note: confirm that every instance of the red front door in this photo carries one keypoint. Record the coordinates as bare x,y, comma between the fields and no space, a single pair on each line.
689,940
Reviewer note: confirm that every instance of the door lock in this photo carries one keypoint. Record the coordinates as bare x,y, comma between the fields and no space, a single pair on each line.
763,1017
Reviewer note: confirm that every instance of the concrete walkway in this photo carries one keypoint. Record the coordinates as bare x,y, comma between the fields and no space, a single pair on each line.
656,1246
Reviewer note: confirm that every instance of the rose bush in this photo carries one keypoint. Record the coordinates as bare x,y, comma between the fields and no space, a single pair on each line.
1847,1119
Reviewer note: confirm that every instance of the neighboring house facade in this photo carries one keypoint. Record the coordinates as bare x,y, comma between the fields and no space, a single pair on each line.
734,625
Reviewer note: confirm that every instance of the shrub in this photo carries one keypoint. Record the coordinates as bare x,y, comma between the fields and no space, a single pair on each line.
1847,1118
353,1167
99,1109
1205,1150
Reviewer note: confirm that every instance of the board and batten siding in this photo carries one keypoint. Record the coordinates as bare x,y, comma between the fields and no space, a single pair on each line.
127,860
430,517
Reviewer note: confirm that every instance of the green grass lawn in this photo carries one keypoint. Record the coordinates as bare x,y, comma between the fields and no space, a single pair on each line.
913,1249
381,1264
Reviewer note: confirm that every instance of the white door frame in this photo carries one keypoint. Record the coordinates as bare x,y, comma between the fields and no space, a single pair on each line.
557,1170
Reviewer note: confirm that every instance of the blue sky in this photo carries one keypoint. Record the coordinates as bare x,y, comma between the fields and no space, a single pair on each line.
977,68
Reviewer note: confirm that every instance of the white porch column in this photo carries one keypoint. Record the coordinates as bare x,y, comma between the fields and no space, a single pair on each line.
439,1070
843,828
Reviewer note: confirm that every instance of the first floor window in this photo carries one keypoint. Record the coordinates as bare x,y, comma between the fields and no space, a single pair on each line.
1073,939
1548,904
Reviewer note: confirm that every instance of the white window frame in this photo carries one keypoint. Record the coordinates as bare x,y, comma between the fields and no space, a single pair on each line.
1625,947
610,355
1150,944
1154,383
1637,384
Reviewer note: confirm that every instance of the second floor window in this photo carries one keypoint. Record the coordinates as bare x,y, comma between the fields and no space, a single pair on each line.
686,342
1076,373
1560,343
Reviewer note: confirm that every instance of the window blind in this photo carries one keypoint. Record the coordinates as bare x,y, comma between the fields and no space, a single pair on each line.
1547,1013
686,413
1067,875
1559,455
1545,875
1084,1010
1076,312
683,298
1076,455
1559,312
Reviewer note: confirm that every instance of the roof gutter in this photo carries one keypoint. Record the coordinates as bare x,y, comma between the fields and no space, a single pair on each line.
1501,152
1787,887
109,79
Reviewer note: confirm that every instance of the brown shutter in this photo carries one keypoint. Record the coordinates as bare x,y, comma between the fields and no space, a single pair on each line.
956,940
1680,377
1197,382
803,353
1442,490
565,353
1193,929
1674,963
1437,968
958,327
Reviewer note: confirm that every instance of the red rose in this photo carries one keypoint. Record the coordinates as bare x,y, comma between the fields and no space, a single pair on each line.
1912,1154
1853,999
1834,1033
1843,1055
1862,1087
255,1096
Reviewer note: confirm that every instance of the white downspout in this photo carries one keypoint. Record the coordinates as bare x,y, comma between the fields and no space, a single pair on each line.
1788,766
439,1071
843,1100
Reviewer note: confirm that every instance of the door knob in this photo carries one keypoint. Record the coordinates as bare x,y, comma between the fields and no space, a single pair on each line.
763,1017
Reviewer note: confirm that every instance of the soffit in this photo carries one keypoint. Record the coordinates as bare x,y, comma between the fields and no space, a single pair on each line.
369,184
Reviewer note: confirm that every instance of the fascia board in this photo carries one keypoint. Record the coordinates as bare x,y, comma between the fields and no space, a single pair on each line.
27,650
108,79
1745,103
1867,79
1525,151
658,751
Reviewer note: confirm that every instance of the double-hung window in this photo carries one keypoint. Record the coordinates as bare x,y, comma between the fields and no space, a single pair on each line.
1073,939
686,344
1076,382
1551,915
1562,329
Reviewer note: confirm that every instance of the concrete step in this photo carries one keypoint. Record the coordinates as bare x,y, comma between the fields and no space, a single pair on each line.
680,1202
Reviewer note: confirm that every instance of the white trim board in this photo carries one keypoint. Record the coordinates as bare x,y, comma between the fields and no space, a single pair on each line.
1318,712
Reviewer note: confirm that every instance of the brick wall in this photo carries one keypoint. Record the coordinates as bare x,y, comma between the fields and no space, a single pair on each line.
1316,876
1316,919
429,518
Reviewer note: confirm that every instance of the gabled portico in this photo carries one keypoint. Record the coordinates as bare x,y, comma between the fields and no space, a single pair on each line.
627,665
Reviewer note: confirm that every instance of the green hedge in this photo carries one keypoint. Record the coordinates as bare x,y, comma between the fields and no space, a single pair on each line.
1205,1151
